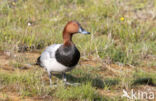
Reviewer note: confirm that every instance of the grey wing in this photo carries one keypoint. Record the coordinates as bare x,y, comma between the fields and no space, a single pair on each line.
48,53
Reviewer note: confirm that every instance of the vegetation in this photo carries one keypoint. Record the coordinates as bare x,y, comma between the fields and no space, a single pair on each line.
119,54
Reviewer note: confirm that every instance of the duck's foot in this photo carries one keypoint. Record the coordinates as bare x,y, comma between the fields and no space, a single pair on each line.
68,83
53,85
72,84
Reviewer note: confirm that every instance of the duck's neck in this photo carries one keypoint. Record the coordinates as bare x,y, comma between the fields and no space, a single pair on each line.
67,39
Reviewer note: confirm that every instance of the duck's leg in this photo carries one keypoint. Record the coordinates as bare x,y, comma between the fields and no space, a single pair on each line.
64,78
49,73
67,83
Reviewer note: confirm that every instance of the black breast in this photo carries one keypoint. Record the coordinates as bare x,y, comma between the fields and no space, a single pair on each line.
68,55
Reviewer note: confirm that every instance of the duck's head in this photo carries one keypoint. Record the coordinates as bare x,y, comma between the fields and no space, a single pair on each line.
73,27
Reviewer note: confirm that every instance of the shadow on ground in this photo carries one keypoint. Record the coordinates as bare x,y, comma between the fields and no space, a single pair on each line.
96,82
144,81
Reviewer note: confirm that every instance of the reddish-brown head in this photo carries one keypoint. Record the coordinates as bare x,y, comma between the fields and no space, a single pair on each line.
71,28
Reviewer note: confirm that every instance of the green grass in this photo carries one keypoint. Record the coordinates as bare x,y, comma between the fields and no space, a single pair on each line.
31,83
127,38
86,92
25,83
130,42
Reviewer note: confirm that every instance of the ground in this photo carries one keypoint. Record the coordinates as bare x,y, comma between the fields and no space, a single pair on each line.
108,76
118,55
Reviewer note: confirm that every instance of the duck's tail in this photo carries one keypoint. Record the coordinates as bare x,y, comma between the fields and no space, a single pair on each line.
38,62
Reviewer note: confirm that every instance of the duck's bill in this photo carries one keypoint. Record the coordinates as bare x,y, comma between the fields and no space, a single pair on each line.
85,32
81,30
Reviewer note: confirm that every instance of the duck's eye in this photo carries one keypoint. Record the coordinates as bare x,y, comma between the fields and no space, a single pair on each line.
74,24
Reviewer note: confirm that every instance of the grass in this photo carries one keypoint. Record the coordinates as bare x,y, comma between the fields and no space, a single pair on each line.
47,23
77,93
27,84
119,53
144,78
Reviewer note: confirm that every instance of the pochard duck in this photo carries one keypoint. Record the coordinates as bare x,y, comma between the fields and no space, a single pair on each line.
62,57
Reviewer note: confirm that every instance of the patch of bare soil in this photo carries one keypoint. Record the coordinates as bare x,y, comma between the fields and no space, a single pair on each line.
92,61
6,59
4,62
9,96
107,69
